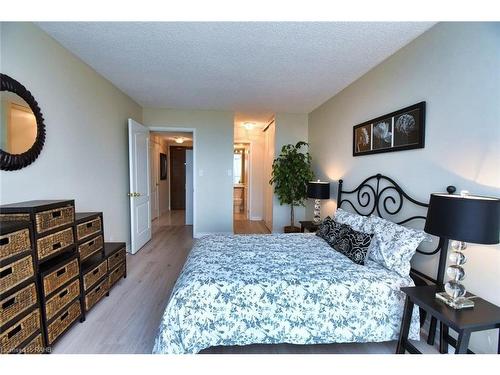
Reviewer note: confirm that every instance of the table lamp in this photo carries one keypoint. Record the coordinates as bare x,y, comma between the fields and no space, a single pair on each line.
462,218
318,190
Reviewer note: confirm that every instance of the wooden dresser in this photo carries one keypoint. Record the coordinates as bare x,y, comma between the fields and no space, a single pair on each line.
54,266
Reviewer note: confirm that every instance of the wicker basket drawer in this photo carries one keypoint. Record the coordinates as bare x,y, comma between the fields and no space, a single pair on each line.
116,274
88,228
88,248
92,297
63,321
93,276
54,304
54,243
14,217
14,243
116,258
35,346
60,276
50,219
17,303
14,336
15,273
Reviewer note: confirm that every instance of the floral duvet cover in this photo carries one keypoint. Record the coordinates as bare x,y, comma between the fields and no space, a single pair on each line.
279,288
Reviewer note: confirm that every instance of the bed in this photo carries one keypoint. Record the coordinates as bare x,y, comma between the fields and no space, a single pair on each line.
281,288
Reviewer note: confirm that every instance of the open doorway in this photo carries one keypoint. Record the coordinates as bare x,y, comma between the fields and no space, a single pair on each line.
172,179
249,176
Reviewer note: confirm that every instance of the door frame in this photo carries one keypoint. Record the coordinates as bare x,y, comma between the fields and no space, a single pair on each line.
171,169
169,129
248,162
154,166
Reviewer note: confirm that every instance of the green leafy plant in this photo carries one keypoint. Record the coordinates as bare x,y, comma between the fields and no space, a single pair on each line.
290,175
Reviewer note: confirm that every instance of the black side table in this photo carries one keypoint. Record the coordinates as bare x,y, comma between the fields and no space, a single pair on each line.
484,315
309,225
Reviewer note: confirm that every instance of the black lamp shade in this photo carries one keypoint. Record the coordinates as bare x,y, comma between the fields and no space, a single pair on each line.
318,190
469,219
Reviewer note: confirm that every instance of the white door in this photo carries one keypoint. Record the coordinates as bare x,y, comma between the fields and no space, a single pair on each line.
189,187
140,199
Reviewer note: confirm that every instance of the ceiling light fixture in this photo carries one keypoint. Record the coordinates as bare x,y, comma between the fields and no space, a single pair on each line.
179,140
248,125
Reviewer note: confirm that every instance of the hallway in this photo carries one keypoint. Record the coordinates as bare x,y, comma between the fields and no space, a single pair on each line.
170,218
243,226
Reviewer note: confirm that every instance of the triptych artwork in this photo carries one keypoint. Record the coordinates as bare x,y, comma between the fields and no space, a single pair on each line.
400,130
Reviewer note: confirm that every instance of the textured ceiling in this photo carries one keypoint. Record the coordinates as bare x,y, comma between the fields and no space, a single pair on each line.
237,66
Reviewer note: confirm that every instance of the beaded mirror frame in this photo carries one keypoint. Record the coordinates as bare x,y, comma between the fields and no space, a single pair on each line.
12,162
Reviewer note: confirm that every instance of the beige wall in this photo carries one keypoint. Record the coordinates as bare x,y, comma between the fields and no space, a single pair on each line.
454,68
213,151
85,153
290,128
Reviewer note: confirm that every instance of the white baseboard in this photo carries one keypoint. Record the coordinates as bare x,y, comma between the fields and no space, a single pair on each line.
256,218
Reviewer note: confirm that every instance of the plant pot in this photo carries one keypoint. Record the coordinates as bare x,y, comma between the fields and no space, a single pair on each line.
290,229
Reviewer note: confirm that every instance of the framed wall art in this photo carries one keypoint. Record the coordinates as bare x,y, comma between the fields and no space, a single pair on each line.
163,166
399,130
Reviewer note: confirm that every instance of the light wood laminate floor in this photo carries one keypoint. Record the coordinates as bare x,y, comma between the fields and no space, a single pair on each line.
127,320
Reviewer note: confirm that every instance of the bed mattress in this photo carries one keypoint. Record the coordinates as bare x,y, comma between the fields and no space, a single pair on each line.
279,288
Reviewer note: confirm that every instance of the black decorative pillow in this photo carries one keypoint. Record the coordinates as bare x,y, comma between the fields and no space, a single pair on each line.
353,244
345,240
330,230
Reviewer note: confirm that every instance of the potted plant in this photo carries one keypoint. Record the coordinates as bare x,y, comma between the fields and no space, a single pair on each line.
290,175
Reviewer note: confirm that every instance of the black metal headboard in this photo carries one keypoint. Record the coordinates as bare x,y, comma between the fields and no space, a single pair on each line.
382,196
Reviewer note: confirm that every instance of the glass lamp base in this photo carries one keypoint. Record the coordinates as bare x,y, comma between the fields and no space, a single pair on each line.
459,303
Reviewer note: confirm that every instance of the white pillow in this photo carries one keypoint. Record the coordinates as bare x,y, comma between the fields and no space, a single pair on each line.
393,245
355,221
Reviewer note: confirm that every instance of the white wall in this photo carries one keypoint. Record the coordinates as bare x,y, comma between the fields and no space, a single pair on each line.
85,153
454,67
213,148
290,128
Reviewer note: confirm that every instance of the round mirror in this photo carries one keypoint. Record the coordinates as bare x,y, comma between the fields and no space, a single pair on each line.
22,131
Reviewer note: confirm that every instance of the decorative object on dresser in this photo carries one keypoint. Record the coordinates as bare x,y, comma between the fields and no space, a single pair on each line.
20,315
22,124
399,130
68,265
318,190
291,171
462,218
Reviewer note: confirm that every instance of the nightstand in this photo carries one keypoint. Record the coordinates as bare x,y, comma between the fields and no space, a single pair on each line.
309,225
484,315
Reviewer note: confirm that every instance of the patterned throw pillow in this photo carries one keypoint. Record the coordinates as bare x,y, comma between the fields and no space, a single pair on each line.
345,240
355,221
393,245
353,244
330,230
